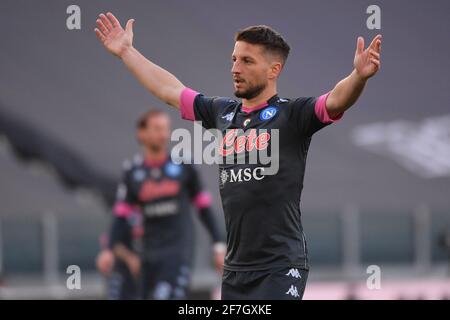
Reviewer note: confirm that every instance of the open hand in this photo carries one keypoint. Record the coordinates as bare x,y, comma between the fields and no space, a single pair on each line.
115,39
367,62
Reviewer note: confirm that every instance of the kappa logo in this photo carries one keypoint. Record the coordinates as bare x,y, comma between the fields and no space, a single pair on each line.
294,273
268,113
293,291
229,116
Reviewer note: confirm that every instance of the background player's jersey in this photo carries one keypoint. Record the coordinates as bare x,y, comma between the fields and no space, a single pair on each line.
262,212
163,193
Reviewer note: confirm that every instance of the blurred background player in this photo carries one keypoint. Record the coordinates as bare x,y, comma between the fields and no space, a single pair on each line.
158,190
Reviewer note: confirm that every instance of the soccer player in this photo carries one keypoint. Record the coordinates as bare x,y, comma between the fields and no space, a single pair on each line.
266,248
153,204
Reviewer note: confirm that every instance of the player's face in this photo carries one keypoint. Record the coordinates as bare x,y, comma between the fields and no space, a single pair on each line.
156,134
250,69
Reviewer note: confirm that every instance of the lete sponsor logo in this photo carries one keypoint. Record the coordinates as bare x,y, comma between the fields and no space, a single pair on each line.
152,190
259,147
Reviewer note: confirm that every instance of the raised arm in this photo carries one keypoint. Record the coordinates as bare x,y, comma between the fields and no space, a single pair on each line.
119,42
347,91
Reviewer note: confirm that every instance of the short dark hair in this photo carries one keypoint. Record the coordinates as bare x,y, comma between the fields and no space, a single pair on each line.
264,35
142,121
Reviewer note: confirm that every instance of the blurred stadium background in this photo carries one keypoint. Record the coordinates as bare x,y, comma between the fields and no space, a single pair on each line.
377,185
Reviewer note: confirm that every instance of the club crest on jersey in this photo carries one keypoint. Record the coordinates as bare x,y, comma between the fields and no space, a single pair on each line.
139,175
268,113
172,170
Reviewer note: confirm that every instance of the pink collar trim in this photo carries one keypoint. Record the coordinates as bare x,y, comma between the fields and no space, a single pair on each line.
155,163
250,109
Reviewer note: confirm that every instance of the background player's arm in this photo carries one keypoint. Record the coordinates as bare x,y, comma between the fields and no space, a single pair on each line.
130,258
219,248
105,258
202,200
347,91
119,42
120,230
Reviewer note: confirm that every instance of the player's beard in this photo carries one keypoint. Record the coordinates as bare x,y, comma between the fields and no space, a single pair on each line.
156,148
251,92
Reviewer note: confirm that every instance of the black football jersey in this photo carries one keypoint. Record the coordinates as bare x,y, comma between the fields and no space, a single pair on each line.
262,211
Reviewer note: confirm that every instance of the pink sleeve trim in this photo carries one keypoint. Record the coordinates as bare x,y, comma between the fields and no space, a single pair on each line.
322,112
187,103
122,209
202,200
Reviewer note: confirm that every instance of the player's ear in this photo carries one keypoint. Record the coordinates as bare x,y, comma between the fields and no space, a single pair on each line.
275,70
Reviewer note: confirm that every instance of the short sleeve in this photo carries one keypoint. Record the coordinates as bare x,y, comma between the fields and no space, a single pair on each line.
199,197
194,185
195,106
311,115
125,201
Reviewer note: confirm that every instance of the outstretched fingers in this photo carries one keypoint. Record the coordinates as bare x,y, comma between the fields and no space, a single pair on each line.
106,22
376,43
102,27
375,62
100,35
360,45
374,54
115,22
